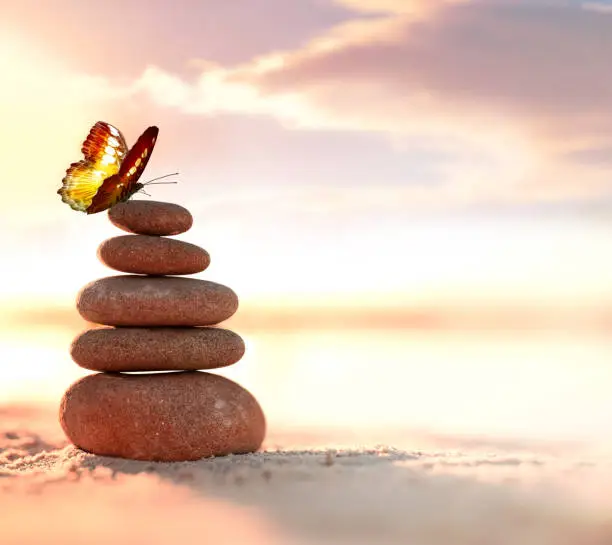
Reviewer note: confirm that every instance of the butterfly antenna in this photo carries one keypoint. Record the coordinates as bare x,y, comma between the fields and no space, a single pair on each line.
161,178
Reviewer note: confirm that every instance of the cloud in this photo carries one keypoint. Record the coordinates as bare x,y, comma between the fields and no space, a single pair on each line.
599,7
512,92
542,66
412,8
513,97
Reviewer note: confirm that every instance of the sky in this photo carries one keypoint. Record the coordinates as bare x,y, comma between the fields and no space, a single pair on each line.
355,152
359,171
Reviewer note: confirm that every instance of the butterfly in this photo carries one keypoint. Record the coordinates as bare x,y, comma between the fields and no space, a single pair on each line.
109,173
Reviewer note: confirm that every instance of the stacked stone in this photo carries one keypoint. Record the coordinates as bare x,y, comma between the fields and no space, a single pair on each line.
163,326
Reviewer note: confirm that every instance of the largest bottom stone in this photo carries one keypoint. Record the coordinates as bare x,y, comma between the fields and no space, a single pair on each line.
161,417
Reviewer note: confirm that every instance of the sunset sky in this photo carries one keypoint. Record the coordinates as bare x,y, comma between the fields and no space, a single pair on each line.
348,161
398,152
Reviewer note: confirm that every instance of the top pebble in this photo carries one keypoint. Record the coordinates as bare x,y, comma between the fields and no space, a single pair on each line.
151,218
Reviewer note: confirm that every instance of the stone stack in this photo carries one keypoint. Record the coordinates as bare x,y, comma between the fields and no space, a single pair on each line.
162,327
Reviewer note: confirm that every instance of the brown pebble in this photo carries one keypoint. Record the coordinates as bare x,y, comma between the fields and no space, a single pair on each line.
156,349
146,301
145,254
150,218
163,417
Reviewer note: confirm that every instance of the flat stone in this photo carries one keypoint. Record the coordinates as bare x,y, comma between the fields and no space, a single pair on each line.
151,218
164,417
145,254
147,301
156,349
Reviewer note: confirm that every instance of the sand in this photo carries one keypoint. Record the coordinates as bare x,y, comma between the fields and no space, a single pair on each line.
316,487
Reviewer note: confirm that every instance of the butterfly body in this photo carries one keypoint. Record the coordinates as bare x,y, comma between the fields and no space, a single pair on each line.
109,172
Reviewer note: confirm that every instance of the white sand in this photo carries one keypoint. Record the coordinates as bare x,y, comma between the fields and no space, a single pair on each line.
453,491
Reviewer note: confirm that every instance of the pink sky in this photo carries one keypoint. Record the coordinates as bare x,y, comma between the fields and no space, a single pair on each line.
413,154
397,151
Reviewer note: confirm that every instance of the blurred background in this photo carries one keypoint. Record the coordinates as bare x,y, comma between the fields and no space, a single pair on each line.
410,197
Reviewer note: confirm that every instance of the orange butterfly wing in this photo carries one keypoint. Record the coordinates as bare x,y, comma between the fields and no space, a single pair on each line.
104,150
121,186
101,136
109,173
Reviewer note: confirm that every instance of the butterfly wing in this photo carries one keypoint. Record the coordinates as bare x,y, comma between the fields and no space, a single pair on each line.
138,157
104,150
104,139
121,186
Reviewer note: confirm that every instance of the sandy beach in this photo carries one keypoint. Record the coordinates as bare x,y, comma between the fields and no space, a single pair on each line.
304,487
